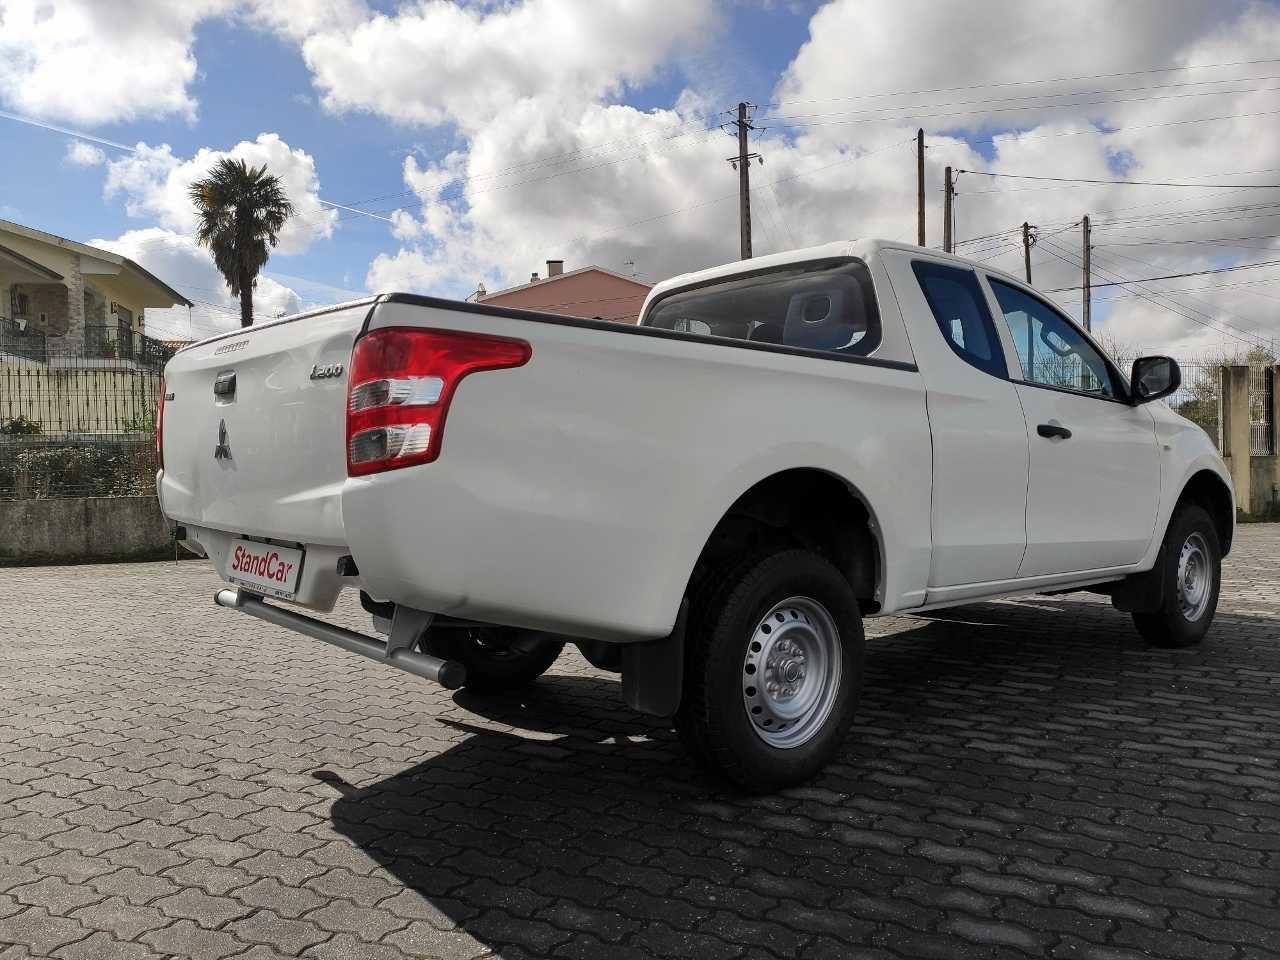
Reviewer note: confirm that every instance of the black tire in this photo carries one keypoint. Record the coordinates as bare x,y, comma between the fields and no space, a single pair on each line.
1192,528
713,719
496,658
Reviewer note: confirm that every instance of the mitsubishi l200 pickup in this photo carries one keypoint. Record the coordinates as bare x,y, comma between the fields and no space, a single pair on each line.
708,502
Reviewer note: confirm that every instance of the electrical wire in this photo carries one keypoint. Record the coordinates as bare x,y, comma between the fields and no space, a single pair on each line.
985,103
1128,183
1016,83
1053,250
1174,276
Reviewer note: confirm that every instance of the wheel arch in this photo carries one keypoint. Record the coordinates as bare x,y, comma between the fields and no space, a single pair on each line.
810,507
1207,489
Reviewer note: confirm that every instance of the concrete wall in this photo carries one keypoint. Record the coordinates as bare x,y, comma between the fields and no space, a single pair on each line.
82,530
1264,485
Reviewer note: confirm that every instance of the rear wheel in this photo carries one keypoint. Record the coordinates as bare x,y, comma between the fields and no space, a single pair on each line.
496,658
774,670
1191,571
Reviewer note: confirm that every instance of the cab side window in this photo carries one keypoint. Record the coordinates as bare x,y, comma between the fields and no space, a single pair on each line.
1052,351
960,309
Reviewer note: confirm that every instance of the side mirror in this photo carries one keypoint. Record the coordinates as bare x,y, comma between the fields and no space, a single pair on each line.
1154,377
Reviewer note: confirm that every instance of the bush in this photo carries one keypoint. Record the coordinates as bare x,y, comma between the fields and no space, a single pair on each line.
82,470
19,427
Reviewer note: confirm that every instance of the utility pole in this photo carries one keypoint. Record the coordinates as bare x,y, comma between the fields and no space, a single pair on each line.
947,189
1084,225
1026,248
920,186
742,163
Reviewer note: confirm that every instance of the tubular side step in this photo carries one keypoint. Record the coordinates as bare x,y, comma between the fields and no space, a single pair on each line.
396,653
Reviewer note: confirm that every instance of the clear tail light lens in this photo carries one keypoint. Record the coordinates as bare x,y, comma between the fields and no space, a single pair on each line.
401,383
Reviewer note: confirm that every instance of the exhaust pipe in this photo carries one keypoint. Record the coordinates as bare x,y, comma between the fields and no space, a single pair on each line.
397,652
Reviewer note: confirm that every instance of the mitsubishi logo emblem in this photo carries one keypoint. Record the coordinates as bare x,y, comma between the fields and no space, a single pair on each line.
223,450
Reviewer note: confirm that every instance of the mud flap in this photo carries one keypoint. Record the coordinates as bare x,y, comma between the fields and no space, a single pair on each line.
653,672
1141,592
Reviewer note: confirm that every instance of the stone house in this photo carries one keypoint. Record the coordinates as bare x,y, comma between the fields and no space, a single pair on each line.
61,298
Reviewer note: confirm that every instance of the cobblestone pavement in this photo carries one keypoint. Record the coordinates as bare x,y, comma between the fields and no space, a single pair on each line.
1026,778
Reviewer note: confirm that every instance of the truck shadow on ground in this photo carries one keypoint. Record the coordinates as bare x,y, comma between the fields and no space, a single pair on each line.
1009,763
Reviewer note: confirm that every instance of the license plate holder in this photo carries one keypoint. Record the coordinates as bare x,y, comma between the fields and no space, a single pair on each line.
265,568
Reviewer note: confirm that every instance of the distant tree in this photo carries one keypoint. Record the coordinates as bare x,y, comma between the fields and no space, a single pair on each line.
242,210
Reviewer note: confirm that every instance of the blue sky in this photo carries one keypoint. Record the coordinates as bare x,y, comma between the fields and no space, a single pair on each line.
500,133
252,81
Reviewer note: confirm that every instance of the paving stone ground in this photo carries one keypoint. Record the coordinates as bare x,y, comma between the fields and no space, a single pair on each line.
1025,779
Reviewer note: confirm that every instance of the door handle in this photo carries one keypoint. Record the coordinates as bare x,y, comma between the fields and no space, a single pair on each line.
1051,430
225,384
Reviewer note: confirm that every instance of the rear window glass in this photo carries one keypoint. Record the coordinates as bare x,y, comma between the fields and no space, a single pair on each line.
818,306
961,310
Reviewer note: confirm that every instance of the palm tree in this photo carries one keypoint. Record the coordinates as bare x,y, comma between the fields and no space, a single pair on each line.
242,210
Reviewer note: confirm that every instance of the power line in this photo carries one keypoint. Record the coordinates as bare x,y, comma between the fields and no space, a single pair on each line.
1081,185
553,176
1156,241
1168,293
1174,276
1052,249
546,162
915,118
1016,83
1210,319
1129,183
1207,287
985,102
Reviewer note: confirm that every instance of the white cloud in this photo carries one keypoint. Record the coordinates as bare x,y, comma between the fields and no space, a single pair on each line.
436,61
1143,126
83,154
187,267
107,61
534,183
92,62
298,19
155,183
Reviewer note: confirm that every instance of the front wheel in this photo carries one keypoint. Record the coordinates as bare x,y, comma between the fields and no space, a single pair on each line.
496,658
1191,571
774,670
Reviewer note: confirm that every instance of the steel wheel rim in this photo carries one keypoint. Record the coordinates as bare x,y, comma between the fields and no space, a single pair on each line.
1195,578
791,672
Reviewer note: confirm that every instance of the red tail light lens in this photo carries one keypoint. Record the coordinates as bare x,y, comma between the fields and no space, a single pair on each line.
402,380
160,424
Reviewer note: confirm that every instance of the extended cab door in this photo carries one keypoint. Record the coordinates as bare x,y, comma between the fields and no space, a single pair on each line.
978,508
1094,486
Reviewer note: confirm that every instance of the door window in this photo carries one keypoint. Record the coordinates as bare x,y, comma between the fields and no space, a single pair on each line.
961,311
1052,351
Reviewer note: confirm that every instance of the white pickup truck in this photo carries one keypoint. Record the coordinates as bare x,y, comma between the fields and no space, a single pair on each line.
708,502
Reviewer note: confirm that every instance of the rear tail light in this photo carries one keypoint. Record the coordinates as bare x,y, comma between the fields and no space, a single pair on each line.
402,380
160,425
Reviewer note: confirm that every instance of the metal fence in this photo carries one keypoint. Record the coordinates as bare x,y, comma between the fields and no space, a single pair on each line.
77,426
17,341
122,342
1199,399
1262,432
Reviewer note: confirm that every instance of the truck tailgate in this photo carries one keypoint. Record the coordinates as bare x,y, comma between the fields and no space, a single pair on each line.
265,455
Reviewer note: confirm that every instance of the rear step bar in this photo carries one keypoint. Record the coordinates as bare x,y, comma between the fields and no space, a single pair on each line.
398,651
